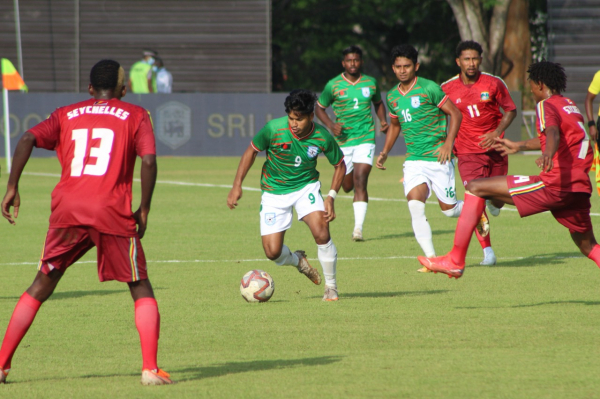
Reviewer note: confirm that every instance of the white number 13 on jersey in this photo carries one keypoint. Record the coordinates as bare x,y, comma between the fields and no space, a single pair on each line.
101,153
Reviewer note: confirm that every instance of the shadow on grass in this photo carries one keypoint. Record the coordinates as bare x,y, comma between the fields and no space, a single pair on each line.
218,370
390,294
587,303
557,258
81,294
408,234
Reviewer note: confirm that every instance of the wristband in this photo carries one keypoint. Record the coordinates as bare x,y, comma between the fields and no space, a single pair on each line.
332,194
591,123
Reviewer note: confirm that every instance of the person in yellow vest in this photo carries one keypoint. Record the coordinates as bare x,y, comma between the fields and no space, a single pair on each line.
141,75
593,91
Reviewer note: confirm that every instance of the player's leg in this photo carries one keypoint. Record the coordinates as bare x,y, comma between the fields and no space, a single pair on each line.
363,161
348,182
498,167
310,209
123,259
417,190
62,248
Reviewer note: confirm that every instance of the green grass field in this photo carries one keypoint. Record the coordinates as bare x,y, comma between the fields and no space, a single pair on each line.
525,328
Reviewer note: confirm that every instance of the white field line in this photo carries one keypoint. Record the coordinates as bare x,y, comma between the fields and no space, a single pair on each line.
266,260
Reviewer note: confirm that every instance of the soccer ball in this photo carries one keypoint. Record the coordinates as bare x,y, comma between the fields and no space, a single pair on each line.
257,286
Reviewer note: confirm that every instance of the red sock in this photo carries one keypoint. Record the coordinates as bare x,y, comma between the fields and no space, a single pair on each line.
21,320
484,241
147,321
468,219
593,255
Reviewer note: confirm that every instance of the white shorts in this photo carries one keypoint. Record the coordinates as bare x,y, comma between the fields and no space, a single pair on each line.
440,176
276,210
362,153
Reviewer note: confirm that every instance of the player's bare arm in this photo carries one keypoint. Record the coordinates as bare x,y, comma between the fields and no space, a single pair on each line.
12,198
487,140
552,138
334,128
589,112
380,111
390,140
246,163
148,174
336,184
505,146
444,153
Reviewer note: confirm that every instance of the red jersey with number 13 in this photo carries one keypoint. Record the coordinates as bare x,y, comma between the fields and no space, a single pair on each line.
480,105
573,158
96,142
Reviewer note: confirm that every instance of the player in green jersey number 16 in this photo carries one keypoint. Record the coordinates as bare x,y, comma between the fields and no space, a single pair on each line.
290,180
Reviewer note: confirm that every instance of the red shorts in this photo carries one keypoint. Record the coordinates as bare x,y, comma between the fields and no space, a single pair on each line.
478,166
119,258
531,196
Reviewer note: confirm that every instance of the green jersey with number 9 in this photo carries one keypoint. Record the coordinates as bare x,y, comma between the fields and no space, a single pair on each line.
352,108
422,121
292,162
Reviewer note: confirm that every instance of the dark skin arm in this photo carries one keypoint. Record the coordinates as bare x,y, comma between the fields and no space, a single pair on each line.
334,128
506,146
444,153
380,111
487,140
390,140
589,112
246,163
148,177
12,198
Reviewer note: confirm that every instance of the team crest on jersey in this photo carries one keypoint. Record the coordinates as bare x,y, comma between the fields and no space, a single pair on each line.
366,91
270,219
485,96
415,101
343,93
312,151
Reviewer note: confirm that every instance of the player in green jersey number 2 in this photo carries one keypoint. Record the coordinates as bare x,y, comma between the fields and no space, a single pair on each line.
419,108
351,94
290,180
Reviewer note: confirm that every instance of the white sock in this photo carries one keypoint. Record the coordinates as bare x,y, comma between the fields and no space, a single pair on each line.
454,212
421,227
327,254
360,211
487,251
287,257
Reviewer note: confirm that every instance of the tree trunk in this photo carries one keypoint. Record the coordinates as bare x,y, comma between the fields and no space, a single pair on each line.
517,49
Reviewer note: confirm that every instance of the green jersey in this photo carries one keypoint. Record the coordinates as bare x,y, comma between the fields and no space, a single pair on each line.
352,108
139,77
292,162
422,121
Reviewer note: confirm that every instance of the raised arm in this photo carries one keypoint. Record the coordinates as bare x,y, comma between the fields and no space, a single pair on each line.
246,163
12,198
390,140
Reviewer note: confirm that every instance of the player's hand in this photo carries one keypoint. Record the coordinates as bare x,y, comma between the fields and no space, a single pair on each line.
444,153
141,219
505,146
384,127
545,163
234,195
594,133
381,160
337,129
487,139
11,198
329,209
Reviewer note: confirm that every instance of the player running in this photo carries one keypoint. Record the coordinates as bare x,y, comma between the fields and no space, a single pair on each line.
479,97
96,142
418,107
351,94
290,179
563,186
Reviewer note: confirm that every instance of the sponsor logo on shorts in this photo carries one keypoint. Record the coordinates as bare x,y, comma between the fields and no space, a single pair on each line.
312,151
270,219
485,96
415,101
366,92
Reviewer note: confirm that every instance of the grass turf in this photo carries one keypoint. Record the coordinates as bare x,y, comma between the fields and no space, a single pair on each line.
521,329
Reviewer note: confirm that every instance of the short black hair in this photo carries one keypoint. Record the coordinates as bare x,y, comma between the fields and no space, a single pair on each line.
105,75
406,51
549,73
352,50
468,45
300,101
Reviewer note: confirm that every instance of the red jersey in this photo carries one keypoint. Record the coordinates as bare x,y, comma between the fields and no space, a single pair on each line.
480,104
573,159
96,142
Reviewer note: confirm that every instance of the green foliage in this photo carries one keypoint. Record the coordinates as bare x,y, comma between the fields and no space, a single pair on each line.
313,33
